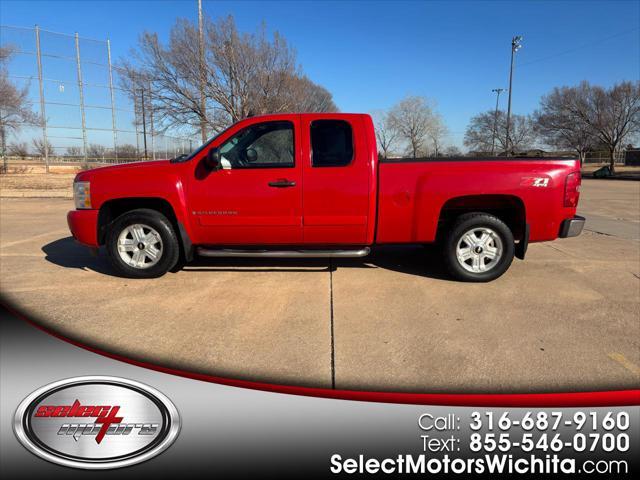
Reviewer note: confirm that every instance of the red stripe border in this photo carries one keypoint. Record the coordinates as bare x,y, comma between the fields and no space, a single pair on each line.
609,398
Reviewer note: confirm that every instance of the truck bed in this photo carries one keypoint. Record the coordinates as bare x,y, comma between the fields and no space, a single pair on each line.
414,193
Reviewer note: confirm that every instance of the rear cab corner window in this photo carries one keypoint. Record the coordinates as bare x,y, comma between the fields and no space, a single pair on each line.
261,145
331,143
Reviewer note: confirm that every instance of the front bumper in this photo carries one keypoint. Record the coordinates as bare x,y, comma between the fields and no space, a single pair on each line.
572,227
84,226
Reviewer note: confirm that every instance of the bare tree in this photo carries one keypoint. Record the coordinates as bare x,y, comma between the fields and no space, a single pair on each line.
5,54
480,132
128,152
559,124
171,72
15,110
97,151
40,147
612,115
452,151
386,133
412,118
18,149
299,95
522,134
437,132
244,74
74,152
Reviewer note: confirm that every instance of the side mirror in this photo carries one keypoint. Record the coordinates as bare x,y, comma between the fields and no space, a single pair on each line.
251,155
212,160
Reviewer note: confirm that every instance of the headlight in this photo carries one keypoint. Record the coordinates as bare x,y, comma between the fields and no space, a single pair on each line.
82,195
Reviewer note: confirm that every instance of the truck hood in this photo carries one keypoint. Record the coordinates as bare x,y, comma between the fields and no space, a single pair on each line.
151,167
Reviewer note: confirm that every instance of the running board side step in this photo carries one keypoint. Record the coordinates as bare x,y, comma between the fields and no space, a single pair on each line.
206,252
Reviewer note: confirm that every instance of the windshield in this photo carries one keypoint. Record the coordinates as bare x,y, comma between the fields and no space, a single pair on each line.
187,157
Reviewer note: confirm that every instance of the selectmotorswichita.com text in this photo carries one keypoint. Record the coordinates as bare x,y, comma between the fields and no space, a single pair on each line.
420,464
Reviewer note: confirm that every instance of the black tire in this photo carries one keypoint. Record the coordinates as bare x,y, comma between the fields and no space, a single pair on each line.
460,227
170,251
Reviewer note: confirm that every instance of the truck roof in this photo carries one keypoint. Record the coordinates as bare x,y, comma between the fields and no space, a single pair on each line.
276,116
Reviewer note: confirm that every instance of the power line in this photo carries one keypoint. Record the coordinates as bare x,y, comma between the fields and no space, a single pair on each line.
586,45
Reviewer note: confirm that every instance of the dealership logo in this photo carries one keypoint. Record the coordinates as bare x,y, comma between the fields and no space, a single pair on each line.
96,422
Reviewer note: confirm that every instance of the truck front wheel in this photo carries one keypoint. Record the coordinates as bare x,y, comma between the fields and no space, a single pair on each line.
142,244
478,248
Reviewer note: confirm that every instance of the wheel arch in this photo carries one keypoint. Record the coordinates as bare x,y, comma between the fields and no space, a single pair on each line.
508,208
112,209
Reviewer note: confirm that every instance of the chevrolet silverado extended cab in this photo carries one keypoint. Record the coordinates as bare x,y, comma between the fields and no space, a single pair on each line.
311,185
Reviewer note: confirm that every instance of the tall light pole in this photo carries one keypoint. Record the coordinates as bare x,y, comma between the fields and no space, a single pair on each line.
144,124
203,105
515,46
497,91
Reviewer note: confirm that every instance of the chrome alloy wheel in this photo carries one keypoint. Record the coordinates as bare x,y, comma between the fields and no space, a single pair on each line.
479,250
140,246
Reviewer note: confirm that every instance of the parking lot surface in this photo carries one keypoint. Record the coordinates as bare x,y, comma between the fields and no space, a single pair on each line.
565,319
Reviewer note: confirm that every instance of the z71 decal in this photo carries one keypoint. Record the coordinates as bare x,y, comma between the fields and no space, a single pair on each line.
534,182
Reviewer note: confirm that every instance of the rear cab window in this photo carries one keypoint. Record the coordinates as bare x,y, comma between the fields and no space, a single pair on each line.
331,143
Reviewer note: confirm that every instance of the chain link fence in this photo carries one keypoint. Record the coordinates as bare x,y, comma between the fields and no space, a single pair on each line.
603,157
83,114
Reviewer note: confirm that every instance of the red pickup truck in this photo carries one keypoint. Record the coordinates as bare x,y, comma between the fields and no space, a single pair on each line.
312,185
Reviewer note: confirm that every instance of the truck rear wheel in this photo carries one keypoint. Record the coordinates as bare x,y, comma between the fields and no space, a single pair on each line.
142,244
478,248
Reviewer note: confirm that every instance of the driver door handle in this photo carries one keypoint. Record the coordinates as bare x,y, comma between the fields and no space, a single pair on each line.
282,183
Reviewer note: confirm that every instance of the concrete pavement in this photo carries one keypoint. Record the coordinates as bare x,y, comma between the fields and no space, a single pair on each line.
612,207
567,318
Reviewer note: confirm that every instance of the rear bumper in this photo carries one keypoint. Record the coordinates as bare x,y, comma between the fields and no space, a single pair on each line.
84,226
572,227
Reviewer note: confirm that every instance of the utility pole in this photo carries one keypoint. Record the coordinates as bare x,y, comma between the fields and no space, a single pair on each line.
203,106
43,115
515,46
3,144
497,91
153,132
144,124
81,92
113,104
